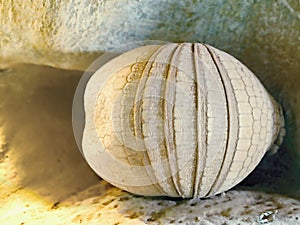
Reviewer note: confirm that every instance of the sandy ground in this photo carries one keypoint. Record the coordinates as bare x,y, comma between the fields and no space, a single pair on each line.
44,179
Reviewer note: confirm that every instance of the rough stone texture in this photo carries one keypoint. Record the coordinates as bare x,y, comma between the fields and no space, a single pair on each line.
100,206
39,169
39,31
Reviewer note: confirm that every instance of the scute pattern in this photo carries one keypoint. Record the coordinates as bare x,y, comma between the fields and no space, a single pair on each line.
184,120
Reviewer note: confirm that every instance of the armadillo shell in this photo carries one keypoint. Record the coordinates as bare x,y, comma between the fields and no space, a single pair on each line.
180,120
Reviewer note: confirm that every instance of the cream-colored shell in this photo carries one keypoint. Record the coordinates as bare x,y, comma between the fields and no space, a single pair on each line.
181,120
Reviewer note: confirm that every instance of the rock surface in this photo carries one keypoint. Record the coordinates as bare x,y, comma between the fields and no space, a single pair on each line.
66,33
43,178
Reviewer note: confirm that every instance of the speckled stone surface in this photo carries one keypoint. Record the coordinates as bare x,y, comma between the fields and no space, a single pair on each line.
72,30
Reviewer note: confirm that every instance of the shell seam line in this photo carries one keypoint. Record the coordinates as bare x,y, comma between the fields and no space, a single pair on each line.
228,118
203,134
138,107
179,47
237,125
196,187
170,121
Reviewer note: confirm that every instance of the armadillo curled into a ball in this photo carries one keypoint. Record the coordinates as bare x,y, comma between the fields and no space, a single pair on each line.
180,120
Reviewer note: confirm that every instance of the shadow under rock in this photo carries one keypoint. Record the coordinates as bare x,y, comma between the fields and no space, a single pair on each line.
36,110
